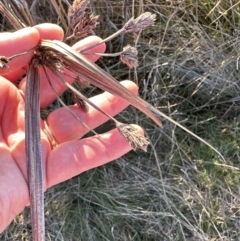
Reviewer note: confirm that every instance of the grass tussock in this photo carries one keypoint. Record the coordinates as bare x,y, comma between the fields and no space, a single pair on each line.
180,189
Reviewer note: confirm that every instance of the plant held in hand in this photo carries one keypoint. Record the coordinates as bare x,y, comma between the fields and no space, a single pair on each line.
60,59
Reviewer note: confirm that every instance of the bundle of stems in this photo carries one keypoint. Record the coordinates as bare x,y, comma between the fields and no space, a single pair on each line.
58,57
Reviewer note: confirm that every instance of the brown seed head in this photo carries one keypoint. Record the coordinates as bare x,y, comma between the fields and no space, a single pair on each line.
85,25
3,62
48,58
129,56
131,134
80,102
77,11
83,83
140,23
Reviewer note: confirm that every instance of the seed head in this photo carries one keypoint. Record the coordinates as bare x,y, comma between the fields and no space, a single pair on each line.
3,62
76,11
83,83
129,56
80,102
140,23
85,25
48,58
131,134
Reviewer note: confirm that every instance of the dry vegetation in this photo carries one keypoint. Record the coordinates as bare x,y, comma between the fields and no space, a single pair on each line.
180,189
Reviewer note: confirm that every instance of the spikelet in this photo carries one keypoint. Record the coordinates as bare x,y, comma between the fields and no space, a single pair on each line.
140,23
80,102
3,62
77,11
129,56
131,134
85,26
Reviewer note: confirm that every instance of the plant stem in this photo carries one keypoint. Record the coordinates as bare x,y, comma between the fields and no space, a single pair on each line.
105,40
105,54
13,20
34,153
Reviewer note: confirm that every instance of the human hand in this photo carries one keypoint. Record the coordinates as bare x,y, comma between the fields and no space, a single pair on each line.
72,156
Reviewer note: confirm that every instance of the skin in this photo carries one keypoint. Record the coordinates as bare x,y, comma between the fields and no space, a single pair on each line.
72,156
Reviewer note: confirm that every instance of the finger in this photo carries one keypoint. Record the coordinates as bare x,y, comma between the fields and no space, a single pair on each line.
11,112
21,41
50,31
47,96
15,75
72,158
87,43
64,127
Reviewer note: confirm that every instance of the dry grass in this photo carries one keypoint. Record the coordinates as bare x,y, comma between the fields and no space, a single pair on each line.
179,190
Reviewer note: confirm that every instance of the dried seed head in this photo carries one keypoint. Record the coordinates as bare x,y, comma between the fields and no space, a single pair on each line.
77,11
85,25
129,56
3,62
83,83
131,134
80,102
48,58
140,23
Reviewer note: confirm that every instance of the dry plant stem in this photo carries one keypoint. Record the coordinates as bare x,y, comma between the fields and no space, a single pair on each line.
34,153
105,54
105,40
33,4
20,8
13,19
81,66
128,56
60,15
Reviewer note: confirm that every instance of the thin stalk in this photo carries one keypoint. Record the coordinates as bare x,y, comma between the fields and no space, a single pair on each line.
114,35
13,19
57,9
105,54
22,12
34,153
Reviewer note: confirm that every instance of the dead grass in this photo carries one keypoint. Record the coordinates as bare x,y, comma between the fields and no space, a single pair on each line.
179,190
